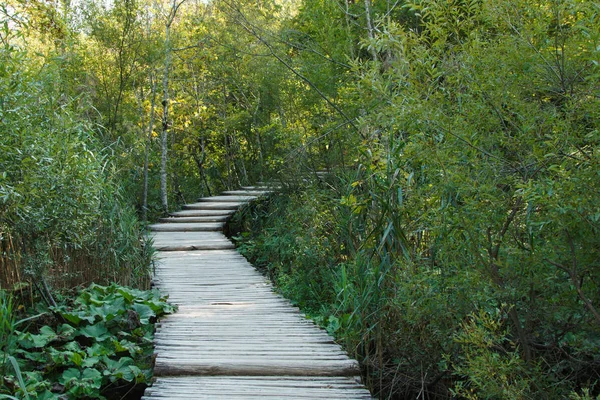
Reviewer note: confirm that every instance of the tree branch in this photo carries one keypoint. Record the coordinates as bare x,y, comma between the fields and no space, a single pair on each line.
573,276
252,30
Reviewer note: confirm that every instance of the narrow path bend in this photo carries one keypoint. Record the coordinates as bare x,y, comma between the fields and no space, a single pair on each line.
233,337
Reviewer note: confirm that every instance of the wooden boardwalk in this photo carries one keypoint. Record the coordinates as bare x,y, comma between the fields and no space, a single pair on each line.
233,337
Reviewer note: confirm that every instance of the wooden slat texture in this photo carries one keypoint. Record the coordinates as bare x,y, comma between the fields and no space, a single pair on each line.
246,193
227,199
259,387
217,205
207,218
202,213
261,187
233,337
179,241
186,226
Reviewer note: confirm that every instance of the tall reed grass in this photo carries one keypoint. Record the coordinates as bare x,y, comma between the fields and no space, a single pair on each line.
116,251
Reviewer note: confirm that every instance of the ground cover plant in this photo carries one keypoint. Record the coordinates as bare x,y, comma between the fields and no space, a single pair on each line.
96,345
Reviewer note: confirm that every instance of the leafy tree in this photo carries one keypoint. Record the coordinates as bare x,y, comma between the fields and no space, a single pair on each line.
472,192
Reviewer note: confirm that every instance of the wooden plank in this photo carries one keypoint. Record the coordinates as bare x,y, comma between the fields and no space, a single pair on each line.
214,218
187,258
221,205
177,241
261,188
307,335
269,184
257,346
256,193
228,199
202,213
187,227
235,388
242,356
266,391
259,381
193,246
255,366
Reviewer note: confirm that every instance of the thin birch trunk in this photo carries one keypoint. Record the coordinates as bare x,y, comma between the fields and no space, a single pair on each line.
165,120
370,28
349,31
147,151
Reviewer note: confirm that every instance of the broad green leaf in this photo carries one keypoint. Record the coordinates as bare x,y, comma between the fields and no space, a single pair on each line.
97,331
144,312
89,362
69,374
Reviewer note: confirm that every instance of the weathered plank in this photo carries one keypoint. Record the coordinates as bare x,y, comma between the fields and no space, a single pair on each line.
227,199
220,205
214,218
202,213
261,188
188,227
233,337
257,387
254,367
257,193
178,241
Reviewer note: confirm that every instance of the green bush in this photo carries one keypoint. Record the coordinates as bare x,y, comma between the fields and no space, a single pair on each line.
61,209
95,346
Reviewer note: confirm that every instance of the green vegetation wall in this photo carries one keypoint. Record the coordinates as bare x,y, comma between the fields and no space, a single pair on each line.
463,200
63,218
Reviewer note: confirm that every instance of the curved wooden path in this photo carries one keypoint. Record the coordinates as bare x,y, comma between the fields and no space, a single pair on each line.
233,337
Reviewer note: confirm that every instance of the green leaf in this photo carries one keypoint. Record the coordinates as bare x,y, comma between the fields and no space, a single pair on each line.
144,312
92,374
127,295
98,349
72,346
66,331
125,369
45,336
97,331
90,362
77,359
75,317
35,356
68,375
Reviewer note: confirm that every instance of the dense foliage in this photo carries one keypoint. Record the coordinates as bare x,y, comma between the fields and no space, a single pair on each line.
96,346
457,250
454,245
62,208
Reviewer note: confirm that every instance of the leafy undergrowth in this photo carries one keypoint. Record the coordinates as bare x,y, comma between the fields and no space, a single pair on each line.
97,346
436,331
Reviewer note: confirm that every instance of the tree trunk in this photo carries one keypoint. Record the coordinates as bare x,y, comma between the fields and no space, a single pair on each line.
349,30
370,28
165,121
147,151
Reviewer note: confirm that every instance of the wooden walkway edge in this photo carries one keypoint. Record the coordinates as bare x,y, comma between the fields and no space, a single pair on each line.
233,337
